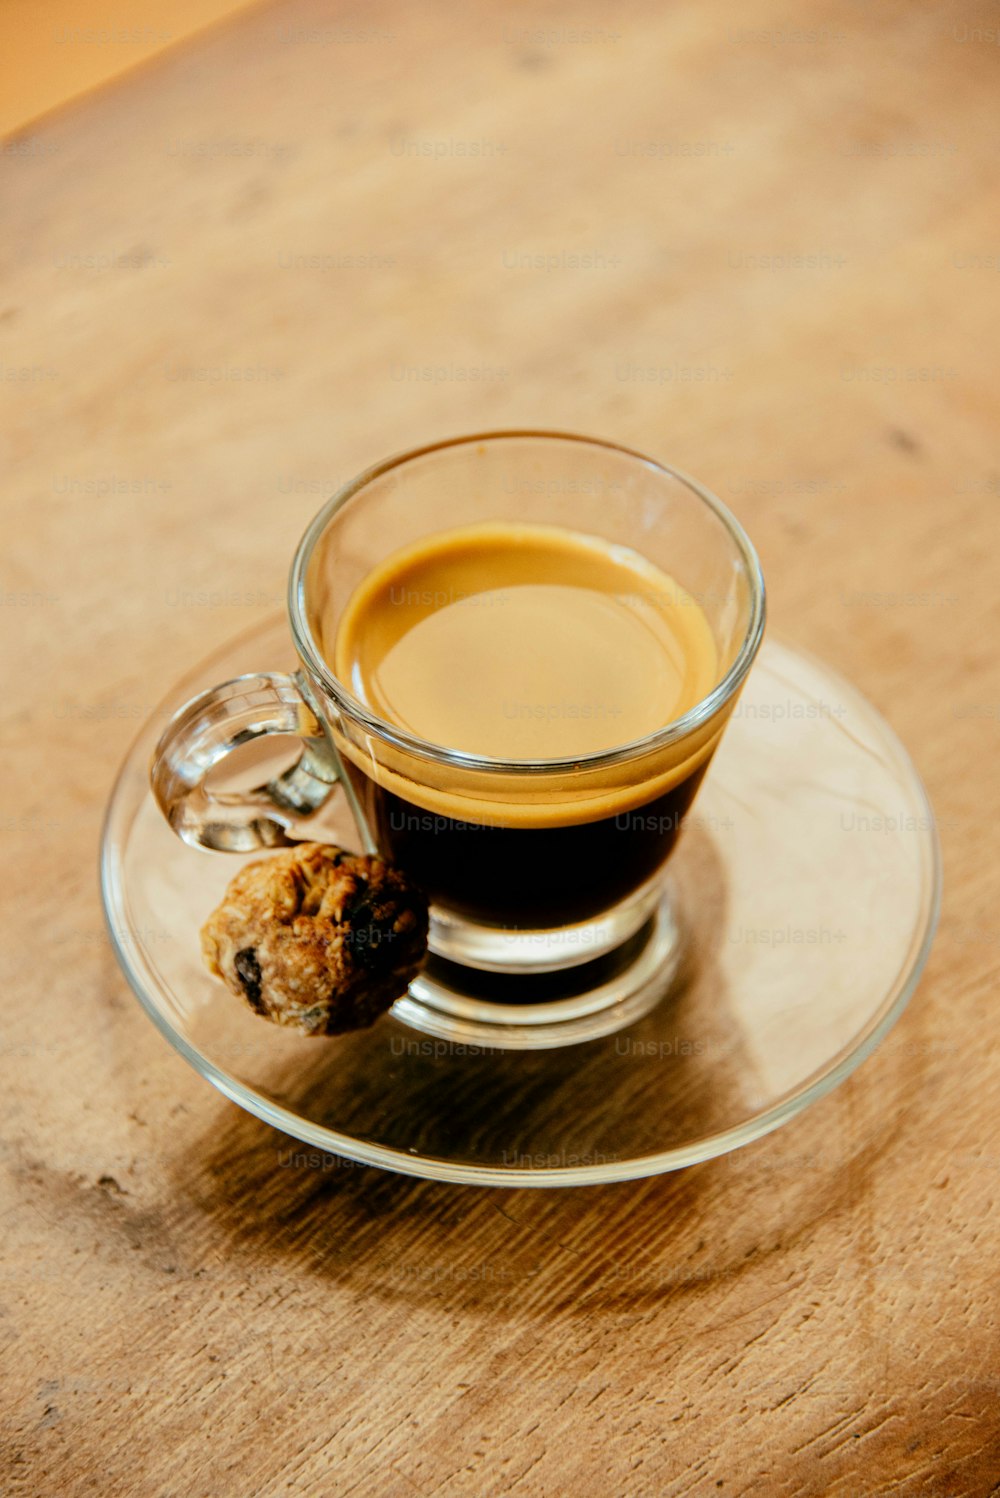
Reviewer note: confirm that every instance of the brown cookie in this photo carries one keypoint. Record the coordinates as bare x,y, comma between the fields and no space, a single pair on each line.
317,939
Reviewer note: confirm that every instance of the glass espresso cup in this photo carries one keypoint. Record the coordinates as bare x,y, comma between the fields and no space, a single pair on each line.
531,866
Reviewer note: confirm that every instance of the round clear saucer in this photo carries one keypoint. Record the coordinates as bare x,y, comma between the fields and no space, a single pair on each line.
805,887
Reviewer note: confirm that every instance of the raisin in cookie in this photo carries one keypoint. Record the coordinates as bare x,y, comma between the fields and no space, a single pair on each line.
317,939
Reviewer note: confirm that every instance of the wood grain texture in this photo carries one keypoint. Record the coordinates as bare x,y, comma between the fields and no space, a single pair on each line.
188,1304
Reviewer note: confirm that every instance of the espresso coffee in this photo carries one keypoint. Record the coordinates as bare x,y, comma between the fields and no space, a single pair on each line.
520,644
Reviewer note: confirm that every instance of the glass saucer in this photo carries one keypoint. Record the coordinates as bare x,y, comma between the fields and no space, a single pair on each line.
806,887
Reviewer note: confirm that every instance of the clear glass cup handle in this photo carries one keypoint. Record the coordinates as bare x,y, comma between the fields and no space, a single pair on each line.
207,729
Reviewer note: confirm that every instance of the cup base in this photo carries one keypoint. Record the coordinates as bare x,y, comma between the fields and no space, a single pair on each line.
580,998
495,949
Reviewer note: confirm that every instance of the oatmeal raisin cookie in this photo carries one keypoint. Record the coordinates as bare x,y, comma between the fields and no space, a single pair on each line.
317,939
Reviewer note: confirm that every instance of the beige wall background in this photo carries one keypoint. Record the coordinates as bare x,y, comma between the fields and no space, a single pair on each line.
52,51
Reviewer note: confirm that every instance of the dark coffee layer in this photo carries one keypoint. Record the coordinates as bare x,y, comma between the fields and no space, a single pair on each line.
526,877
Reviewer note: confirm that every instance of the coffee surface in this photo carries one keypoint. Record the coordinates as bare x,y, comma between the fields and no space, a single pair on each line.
524,642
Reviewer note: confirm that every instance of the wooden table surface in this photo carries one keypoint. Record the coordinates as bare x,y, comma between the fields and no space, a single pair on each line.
311,238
